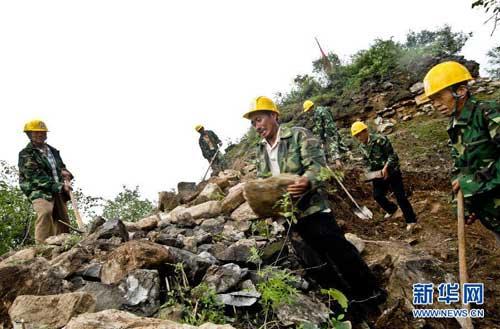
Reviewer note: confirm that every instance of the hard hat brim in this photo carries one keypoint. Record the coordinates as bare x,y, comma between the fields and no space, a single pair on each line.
307,109
247,115
36,129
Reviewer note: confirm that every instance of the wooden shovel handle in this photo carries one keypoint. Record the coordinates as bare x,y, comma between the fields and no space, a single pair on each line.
462,261
75,208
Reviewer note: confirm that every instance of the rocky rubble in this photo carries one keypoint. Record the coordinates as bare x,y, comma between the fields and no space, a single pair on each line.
416,104
127,275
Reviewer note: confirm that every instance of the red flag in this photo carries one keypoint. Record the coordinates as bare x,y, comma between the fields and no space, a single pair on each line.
326,62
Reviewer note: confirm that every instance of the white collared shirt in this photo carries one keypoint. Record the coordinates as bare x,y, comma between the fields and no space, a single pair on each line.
272,152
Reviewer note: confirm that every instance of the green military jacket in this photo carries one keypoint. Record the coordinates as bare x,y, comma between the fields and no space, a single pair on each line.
35,173
301,154
475,139
209,142
326,129
378,151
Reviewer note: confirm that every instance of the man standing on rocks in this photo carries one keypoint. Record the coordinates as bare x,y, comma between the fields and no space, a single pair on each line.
295,151
210,144
380,156
474,132
327,131
42,177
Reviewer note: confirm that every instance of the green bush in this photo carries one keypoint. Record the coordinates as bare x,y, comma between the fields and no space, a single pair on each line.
128,205
494,61
376,63
441,42
16,214
276,288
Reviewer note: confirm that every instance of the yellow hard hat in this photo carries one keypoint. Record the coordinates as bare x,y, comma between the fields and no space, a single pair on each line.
358,127
445,75
261,103
308,105
35,125
198,127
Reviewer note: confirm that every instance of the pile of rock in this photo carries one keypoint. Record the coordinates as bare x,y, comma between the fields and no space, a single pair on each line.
120,273
418,104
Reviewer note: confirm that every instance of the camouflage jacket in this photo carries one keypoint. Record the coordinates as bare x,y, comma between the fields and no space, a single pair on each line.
326,129
475,139
35,173
301,154
209,142
378,151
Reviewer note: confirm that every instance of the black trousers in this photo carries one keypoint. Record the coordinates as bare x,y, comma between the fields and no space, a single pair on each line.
395,183
332,260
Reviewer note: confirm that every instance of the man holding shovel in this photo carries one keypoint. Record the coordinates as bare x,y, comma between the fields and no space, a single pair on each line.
380,156
295,151
209,144
42,177
326,130
474,132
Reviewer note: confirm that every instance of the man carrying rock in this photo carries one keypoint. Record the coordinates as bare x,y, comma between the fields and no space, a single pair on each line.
295,151
326,129
42,177
474,132
380,156
210,144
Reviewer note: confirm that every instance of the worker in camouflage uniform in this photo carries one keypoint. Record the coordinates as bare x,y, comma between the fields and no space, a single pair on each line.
380,156
43,178
474,132
295,151
210,144
326,129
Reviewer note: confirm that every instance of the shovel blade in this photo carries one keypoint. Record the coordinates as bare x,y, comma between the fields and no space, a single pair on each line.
363,213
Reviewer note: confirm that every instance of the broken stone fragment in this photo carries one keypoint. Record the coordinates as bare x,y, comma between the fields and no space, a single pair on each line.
133,255
263,194
113,319
90,271
303,309
237,252
70,261
233,199
208,209
186,191
243,213
57,240
141,292
144,224
167,201
108,230
239,298
95,224
138,292
211,192
194,266
35,276
20,256
53,311
213,225
417,88
225,277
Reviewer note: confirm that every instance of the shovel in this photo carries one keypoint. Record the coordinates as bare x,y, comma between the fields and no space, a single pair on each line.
361,212
462,262
79,221
210,164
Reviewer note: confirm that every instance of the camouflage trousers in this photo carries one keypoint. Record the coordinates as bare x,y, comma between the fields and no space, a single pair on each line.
486,206
48,214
